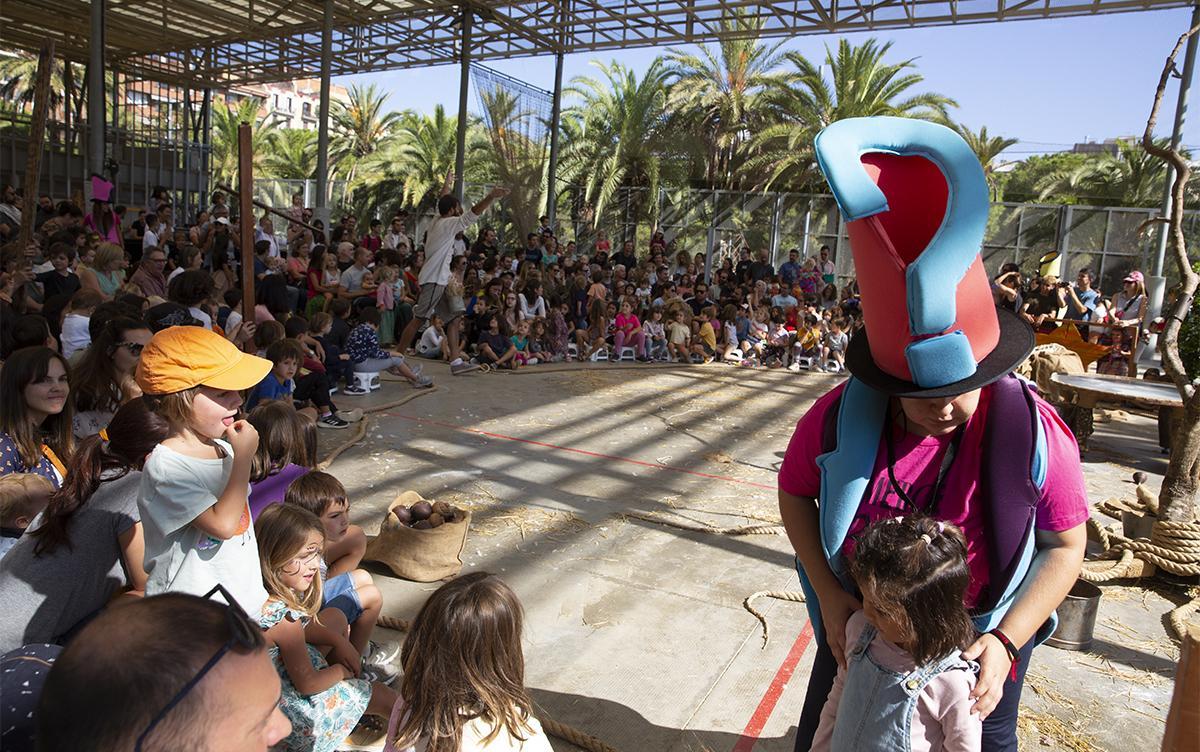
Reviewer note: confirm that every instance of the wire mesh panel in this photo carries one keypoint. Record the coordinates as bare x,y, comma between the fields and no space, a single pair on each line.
517,117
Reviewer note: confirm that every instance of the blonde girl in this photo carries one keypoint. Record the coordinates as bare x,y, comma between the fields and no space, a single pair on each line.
323,701
464,674
385,299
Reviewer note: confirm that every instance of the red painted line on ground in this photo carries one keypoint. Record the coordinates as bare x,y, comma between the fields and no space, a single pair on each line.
770,699
584,452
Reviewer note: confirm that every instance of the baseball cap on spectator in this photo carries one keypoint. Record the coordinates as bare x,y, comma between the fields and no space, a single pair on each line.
1134,277
166,315
223,220
183,357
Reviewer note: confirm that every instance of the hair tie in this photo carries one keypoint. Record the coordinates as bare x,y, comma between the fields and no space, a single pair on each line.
941,527
925,537
103,434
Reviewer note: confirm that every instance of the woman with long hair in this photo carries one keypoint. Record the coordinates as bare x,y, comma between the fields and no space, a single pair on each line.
87,545
1128,312
35,414
103,378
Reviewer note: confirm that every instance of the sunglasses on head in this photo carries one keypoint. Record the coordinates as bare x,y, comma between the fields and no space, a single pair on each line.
134,348
242,634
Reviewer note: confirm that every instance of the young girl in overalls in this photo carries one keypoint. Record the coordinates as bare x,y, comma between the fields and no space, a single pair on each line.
905,686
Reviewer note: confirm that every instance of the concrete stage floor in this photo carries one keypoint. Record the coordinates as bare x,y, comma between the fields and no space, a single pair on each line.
635,632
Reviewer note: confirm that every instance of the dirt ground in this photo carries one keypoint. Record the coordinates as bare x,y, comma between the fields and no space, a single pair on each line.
635,631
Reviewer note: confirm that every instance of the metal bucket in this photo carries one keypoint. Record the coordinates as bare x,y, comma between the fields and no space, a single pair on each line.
1135,525
1077,618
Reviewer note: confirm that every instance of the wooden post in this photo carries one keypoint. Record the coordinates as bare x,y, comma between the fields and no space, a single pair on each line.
1183,719
37,137
246,218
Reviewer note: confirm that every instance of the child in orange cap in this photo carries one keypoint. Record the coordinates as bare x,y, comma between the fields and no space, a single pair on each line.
193,495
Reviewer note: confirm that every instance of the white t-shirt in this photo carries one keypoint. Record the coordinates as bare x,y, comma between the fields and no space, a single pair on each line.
75,334
201,316
182,558
175,273
149,240
439,247
431,342
260,234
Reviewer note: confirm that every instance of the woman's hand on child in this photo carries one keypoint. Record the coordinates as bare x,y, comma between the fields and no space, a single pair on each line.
243,437
836,609
994,666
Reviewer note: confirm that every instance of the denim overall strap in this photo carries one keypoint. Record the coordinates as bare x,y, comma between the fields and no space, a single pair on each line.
875,713
919,678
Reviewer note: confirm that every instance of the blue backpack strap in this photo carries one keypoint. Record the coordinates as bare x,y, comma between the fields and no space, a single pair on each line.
851,445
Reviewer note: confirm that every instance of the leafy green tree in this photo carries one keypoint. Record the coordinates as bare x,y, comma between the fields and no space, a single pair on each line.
987,149
1131,177
293,154
718,94
225,122
360,128
860,83
1020,184
620,134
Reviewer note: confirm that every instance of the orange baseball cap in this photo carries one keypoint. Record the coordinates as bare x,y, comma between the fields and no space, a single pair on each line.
182,357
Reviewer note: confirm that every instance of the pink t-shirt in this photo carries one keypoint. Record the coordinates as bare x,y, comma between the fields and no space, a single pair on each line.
628,324
1062,506
942,719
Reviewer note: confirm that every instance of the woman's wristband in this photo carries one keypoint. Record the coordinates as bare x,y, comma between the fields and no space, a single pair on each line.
1014,654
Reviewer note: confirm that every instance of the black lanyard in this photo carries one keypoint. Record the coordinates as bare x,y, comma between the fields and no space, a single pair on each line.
947,461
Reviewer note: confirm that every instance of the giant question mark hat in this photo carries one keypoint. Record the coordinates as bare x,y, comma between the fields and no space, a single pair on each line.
915,202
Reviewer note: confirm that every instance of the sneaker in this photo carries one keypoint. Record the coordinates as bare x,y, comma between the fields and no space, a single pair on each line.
416,368
331,421
352,415
354,390
463,367
384,674
381,653
422,382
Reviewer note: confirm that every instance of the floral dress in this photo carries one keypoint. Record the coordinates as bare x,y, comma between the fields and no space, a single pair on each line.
322,721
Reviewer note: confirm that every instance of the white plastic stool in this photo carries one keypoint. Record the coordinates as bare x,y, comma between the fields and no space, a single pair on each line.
573,350
599,355
628,353
734,356
806,362
367,380
833,366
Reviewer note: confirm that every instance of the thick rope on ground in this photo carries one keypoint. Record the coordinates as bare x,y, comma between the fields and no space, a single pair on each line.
784,595
360,429
574,736
393,622
704,527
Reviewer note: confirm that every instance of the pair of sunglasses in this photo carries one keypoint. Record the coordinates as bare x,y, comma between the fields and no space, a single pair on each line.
243,634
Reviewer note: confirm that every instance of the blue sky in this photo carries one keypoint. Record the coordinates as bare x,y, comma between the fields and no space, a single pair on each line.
1047,83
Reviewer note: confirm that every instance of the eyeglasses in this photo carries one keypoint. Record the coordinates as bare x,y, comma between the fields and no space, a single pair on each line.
243,634
134,348
298,563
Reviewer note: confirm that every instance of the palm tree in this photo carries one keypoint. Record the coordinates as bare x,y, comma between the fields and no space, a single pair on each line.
803,101
293,154
621,135
18,79
225,122
1131,177
718,93
423,152
988,149
360,128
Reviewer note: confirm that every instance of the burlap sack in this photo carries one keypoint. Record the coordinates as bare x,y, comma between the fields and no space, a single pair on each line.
1044,362
418,555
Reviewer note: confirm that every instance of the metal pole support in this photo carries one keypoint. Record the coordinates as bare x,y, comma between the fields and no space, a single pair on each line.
322,200
555,116
96,94
464,83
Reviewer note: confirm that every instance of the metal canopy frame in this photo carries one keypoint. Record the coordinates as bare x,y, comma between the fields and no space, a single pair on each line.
224,42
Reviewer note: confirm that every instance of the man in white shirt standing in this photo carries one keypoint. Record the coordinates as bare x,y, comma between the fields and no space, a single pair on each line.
150,238
435,274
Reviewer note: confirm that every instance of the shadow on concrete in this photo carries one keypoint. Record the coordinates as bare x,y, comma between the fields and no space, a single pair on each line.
1136,659
627,730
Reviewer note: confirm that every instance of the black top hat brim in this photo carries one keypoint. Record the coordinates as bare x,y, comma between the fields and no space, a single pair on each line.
1016,342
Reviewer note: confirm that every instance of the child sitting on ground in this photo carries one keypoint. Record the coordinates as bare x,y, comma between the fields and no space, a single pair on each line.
22,497
494,348
808,341
286,356
347,588
835,345
679,337
905,683
464,674
559,330
433,342
593,339
538,346
779,342
324,700
520,341
369,357
705,344
193,493
287,449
